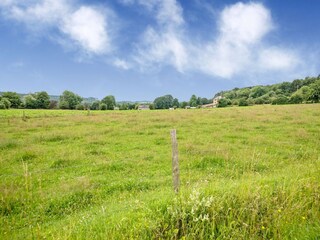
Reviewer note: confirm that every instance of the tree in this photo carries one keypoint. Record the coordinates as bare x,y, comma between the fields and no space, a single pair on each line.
64,104
224,102
183,104
80,106
42,100
296,98
282,99
5,103
103,106
206,101
243,102
53,104
193,101
95,105
71,99
258,91
14,99
30,101
315,92
109,101
175,103
164,102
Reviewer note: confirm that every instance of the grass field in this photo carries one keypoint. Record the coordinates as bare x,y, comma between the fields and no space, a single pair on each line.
246,173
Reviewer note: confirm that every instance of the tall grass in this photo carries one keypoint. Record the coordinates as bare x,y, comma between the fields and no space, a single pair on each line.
246,173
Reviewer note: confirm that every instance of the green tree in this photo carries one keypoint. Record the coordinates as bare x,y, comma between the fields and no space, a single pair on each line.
103,106
53,104
296,98
109,101
42,100
71,98
80,106
193,101
14,99
30,101
243,102
223,102
175,103
164,102
63,104
95,105
183,104
258,91
5,102
315,92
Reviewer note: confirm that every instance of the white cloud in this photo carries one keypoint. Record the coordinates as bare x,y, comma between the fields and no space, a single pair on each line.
277,59
120,63
86,26
245,23
163,44
239,47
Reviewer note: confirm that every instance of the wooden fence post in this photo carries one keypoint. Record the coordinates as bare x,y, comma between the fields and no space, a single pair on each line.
175,161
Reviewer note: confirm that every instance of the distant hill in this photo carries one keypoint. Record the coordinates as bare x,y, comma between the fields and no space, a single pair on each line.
297,91
56,97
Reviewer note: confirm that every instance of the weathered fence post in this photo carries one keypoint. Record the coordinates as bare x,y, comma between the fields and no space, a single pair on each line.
24,118
175,161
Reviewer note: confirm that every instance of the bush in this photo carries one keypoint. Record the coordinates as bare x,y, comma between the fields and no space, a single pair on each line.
63,105
2,106
103,106
243,102
296,98
224,102
280,100
80,107
6,102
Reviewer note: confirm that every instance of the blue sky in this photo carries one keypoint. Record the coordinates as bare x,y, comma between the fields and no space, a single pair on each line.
142,49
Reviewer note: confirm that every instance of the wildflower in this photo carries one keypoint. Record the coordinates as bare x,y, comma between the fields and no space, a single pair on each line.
263,228
303,218
279,210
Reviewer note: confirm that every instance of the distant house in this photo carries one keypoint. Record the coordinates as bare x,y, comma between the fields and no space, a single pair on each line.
214,103
143,107
116,108
187,107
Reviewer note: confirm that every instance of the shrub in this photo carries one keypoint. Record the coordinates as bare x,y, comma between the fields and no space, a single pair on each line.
6,102
80,107
103,106
224,102
243,102
2,106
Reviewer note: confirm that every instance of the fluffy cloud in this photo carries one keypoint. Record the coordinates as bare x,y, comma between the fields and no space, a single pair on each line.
237,47
163,44
85,26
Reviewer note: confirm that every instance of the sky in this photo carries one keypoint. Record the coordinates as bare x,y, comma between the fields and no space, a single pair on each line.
138,50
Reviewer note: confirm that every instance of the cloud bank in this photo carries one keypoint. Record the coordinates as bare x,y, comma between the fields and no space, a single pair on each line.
237,44
84,26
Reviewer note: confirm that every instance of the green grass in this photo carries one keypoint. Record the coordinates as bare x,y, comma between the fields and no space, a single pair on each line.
246,173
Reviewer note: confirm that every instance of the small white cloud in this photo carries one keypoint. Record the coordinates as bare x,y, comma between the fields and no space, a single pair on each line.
87,27
277,59
245,23
120,63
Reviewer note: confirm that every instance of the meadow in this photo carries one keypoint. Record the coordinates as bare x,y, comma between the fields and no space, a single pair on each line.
246,173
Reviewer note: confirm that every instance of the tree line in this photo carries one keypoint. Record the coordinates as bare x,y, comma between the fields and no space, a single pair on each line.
298,91
41,100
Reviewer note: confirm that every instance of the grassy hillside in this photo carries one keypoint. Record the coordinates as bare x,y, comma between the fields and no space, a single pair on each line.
246,173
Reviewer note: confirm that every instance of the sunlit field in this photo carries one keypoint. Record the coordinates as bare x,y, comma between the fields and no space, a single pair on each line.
246,173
